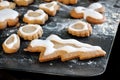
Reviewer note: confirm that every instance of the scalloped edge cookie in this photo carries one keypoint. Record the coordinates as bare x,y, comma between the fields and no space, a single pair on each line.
30,31
80,29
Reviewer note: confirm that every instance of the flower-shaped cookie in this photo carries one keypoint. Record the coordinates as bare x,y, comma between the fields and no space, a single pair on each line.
80,29
30,31
50,8
8,17
35,17
11,44
6,4
23,2
54,47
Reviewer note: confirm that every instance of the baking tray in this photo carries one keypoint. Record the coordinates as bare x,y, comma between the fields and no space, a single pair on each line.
103,35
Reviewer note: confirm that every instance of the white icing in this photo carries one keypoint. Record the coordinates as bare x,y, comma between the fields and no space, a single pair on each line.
79,9
8,14
95,6
11,45
85,27
92,13
50,49
67,41
4,3
52,8
44,43
41,17
71,49
38,28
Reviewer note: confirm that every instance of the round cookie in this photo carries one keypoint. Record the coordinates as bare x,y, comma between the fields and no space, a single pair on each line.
30,31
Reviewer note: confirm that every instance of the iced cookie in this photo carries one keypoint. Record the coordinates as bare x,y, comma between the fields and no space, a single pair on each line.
50,8
54,47
80,29
30,31
11,44
97,7
23,2
6,4
8,17
94,17
77,12
35,17
68,1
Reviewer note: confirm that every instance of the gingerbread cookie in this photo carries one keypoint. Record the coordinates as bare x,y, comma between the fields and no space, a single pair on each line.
68,1
50,8
30,31
94,17
80,29
8,17
97,7
54,47
11,44
77,12
6,4
35,17
23,2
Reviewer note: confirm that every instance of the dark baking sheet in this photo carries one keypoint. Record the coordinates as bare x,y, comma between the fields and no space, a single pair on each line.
103,35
